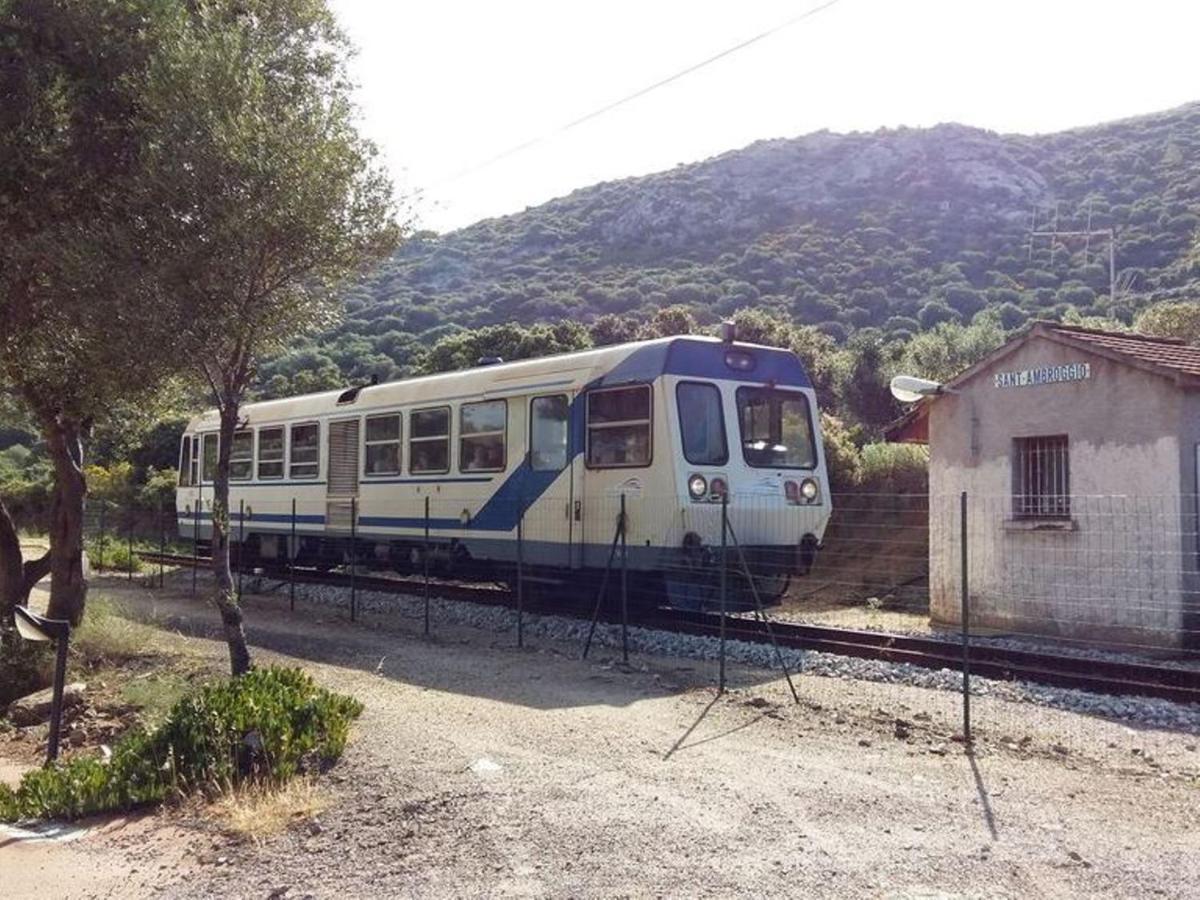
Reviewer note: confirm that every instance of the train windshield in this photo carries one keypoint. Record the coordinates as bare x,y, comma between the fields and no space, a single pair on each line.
702,424
776,429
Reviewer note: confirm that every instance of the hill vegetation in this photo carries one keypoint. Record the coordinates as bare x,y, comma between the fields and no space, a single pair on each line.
886,235
868,254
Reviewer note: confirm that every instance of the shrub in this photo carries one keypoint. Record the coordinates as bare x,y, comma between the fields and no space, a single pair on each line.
25,667
842,461
894,469
262,727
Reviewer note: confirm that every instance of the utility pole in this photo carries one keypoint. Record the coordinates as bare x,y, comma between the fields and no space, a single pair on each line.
1087,233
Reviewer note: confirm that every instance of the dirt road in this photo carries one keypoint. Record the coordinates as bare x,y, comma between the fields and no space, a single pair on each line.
482,770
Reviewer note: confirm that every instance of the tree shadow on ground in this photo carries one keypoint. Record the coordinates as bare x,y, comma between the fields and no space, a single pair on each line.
544,675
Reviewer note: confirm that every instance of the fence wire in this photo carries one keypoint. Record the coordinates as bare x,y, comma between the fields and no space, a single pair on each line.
1099,577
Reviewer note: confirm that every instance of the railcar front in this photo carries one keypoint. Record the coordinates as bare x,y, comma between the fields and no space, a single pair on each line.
751,476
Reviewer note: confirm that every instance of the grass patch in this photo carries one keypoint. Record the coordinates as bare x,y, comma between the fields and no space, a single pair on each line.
108,636
155,693
263,728
259,811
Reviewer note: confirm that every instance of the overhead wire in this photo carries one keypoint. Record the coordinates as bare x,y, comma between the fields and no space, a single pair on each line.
638,94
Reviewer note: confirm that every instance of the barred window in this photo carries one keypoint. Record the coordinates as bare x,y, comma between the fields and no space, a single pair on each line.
241,456
270,453
382,445
1042,477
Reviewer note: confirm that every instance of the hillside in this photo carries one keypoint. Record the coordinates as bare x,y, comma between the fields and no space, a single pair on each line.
897,229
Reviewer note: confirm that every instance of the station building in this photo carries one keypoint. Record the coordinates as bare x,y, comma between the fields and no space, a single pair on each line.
1079,450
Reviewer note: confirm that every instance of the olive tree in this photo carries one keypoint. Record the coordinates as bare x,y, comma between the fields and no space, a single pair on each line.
284,204
79,231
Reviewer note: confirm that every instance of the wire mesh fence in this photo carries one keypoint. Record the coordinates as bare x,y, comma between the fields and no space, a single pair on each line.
1094,579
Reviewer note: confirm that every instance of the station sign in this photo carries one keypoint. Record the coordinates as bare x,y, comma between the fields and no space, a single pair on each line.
1079,371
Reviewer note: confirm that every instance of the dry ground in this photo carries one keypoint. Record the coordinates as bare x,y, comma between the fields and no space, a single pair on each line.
481,770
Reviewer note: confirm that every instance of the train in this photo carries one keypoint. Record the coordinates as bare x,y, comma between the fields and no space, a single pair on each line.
683,440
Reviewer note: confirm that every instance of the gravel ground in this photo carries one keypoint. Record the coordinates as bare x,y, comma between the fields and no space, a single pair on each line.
1139,711
482,770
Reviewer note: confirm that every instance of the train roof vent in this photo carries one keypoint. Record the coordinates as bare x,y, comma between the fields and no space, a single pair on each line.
351,394
489,360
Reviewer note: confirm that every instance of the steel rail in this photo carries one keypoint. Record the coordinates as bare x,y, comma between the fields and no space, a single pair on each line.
1099,675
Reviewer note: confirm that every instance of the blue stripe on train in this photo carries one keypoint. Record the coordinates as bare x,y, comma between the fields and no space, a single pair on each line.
525,486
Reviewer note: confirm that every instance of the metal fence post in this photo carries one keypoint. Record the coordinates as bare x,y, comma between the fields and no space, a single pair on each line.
965,613
353,558
624,589
724,589
129,539
162,545
520,572
425,564
100,542
241,545
293,548
195,543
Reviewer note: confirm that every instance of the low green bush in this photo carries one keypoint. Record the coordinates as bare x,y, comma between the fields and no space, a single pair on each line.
25,667
265,726
894,469
112,554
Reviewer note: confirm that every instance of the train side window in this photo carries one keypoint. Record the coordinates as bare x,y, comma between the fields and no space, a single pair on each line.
702,423
270,453
482,433
208,467
429,441
618,427
241,456
305,459
549,433
382,443
185,461
195,470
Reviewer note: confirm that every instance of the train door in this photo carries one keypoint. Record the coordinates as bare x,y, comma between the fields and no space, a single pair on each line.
342,478
550,526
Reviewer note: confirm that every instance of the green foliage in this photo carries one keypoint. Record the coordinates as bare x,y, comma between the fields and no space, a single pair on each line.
25,667
835,233
1178,320
264,726
509,342
842,459
948,349
894,469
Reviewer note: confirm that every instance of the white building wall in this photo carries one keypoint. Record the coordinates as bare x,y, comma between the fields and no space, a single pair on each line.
1114,573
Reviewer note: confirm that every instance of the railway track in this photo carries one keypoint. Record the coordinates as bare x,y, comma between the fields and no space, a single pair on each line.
1103,676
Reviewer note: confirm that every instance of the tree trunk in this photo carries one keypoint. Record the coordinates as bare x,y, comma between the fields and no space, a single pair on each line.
68,589
224,596
17,575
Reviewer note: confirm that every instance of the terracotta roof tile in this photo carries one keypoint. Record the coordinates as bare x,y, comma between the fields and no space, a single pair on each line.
1169,354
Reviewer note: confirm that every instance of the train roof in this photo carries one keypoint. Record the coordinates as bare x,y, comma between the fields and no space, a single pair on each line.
638,361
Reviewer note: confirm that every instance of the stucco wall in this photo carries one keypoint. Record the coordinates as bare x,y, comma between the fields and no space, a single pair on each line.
1115,572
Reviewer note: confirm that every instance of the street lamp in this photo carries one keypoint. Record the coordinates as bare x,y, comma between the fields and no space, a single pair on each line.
908,389
33,627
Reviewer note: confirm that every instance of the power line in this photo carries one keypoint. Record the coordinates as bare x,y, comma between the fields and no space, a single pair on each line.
682,73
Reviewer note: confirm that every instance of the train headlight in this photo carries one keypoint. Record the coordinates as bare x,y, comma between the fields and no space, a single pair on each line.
697,487
719,488
810,491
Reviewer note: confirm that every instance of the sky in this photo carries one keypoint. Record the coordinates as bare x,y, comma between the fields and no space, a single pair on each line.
446,86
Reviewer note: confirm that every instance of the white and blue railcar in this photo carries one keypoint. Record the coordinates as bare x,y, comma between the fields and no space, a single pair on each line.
670,425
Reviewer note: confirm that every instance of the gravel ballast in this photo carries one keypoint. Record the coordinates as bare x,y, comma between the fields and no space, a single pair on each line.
502,620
